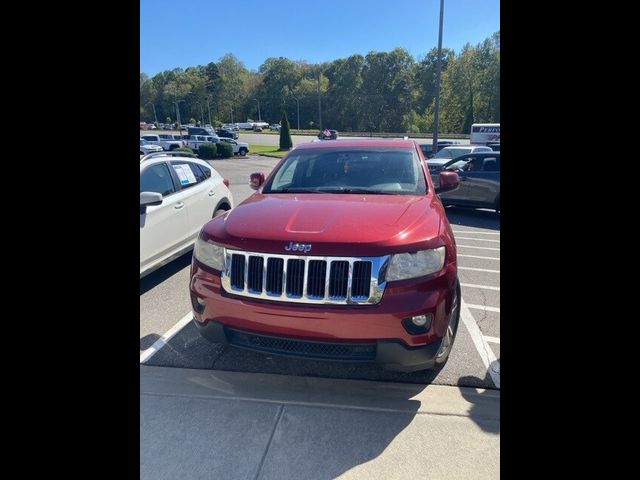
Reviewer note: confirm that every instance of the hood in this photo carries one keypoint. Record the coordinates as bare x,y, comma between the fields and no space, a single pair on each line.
334,224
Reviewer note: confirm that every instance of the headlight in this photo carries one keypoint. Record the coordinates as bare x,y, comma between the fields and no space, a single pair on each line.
412,265
210,254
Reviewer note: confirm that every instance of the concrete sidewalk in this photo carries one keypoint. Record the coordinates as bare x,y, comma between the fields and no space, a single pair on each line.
208,424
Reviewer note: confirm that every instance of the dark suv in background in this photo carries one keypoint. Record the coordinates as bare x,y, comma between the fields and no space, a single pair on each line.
479,181
223,132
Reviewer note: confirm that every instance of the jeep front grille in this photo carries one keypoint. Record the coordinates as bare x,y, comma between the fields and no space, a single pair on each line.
304,279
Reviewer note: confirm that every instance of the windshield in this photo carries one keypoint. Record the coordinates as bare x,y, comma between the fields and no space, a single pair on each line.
451,152
376,170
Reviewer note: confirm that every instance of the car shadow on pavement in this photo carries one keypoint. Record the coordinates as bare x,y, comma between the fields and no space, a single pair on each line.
188,349
156,278
480,402
470,217
148,340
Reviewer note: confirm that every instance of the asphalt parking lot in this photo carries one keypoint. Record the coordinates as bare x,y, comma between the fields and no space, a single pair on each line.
167,338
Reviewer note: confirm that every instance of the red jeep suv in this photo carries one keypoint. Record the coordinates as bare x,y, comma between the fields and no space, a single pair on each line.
343,253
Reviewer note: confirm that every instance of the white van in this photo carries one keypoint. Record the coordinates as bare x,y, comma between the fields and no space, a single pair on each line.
483,133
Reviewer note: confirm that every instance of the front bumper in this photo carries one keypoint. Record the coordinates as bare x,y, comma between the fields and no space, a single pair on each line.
389,354
362,333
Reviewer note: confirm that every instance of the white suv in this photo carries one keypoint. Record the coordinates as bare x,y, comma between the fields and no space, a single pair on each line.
239,148
146,147
179,193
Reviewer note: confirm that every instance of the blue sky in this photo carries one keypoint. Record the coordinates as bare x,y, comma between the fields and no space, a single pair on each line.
187,33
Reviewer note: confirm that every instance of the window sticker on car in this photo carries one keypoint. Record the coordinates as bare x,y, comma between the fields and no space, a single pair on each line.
185,174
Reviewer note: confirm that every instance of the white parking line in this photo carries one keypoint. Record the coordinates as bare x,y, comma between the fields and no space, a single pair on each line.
473,285
162,341
479,248
479,269
483,307
482,258
475,231
478,239
486,354
492,339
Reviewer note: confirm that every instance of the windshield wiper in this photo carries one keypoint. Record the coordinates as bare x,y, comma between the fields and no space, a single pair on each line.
293,190
355,190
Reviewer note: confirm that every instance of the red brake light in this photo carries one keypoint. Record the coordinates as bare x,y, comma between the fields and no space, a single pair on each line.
226,182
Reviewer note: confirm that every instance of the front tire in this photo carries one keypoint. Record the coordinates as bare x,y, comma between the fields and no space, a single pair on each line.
452,329
243,151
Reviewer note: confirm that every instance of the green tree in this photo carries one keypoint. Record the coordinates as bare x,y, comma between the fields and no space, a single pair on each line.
285,134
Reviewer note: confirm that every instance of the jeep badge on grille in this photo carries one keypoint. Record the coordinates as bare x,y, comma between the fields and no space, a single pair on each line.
300,247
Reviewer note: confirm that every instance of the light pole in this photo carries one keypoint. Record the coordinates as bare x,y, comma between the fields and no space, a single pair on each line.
154,112
438,70
259,117
298,107
178,116
209,108
319,106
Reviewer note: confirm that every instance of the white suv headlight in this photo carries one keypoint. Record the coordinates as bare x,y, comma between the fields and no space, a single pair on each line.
412,265
210,254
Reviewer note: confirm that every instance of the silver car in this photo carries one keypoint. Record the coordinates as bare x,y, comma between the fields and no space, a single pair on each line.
479,181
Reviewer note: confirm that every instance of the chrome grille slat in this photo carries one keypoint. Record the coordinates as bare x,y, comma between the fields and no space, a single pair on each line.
350,278
304,278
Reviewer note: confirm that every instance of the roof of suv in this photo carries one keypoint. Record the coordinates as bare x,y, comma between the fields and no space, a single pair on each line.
401,143
170,155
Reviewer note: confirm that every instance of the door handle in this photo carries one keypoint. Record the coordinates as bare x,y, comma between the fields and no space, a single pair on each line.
178,205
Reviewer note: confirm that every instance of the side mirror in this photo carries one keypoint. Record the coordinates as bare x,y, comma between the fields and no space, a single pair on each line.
448,181
256,180
147,199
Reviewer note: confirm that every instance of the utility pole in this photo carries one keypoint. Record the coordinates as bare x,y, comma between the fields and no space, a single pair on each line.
209,108
259,117
154,112
438,70
298,108
319,105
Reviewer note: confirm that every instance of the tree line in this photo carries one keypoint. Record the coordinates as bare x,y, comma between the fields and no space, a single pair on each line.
378,92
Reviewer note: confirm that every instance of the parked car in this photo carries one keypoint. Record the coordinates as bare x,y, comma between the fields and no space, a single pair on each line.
328,134
257,128
275,126
224,132
494,146
479,181
195,141
239,148
343,253
436,162
146,147
178,194
164,143
427,148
